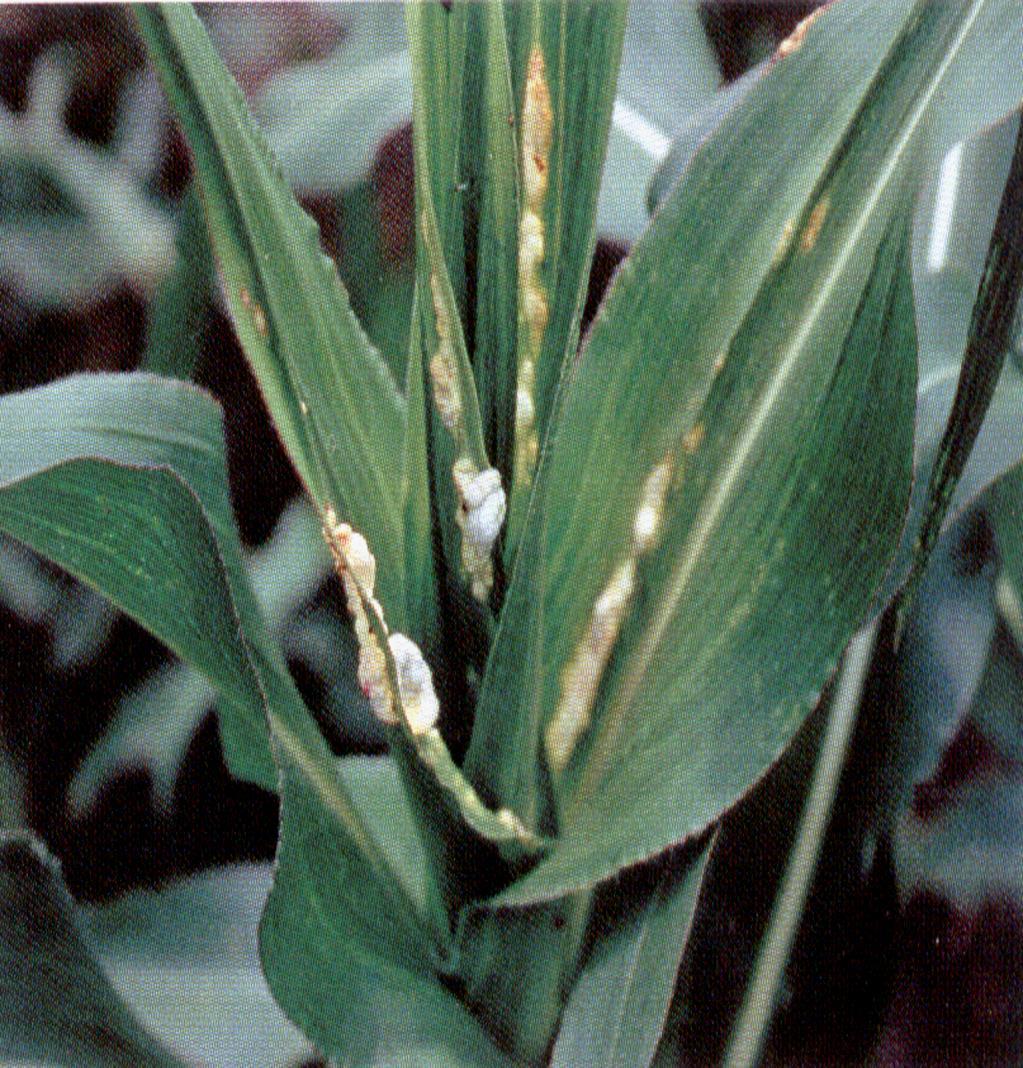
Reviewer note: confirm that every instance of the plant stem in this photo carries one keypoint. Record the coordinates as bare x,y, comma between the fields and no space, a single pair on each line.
754,1019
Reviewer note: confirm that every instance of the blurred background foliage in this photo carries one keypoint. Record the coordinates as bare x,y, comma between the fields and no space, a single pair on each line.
912,944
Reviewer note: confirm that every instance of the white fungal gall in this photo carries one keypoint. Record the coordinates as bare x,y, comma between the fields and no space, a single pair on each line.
415,684
524,410
531,241
482,508
477,489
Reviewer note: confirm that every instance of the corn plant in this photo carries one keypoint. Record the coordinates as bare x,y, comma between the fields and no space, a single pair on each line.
598,583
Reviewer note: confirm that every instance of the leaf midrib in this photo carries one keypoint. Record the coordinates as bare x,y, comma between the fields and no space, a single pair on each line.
711,512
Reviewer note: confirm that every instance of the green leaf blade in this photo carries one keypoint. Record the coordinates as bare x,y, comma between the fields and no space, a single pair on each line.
122,480
335,404
794,372
616,1012
56,1005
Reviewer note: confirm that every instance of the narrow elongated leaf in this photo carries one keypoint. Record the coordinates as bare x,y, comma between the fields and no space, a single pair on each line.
122,480
331,396
775,399
988,343
754,1019
616,1012
56,1005
565,59
184,959
491,168
421,590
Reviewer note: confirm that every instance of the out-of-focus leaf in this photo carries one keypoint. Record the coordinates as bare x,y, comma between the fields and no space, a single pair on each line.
381,290
184,299
81,623
668,75
12,791
121,479
334,403
74,219
185,961
972,850
56,1005
25,587
782,405
696,130
998,708
325,119
616,1011
151,730
154,725
941,662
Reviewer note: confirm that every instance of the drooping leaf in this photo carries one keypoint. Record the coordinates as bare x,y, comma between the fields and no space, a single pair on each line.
121,479
184,960
781,394
616,1011
56,1005
154,725
333,401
